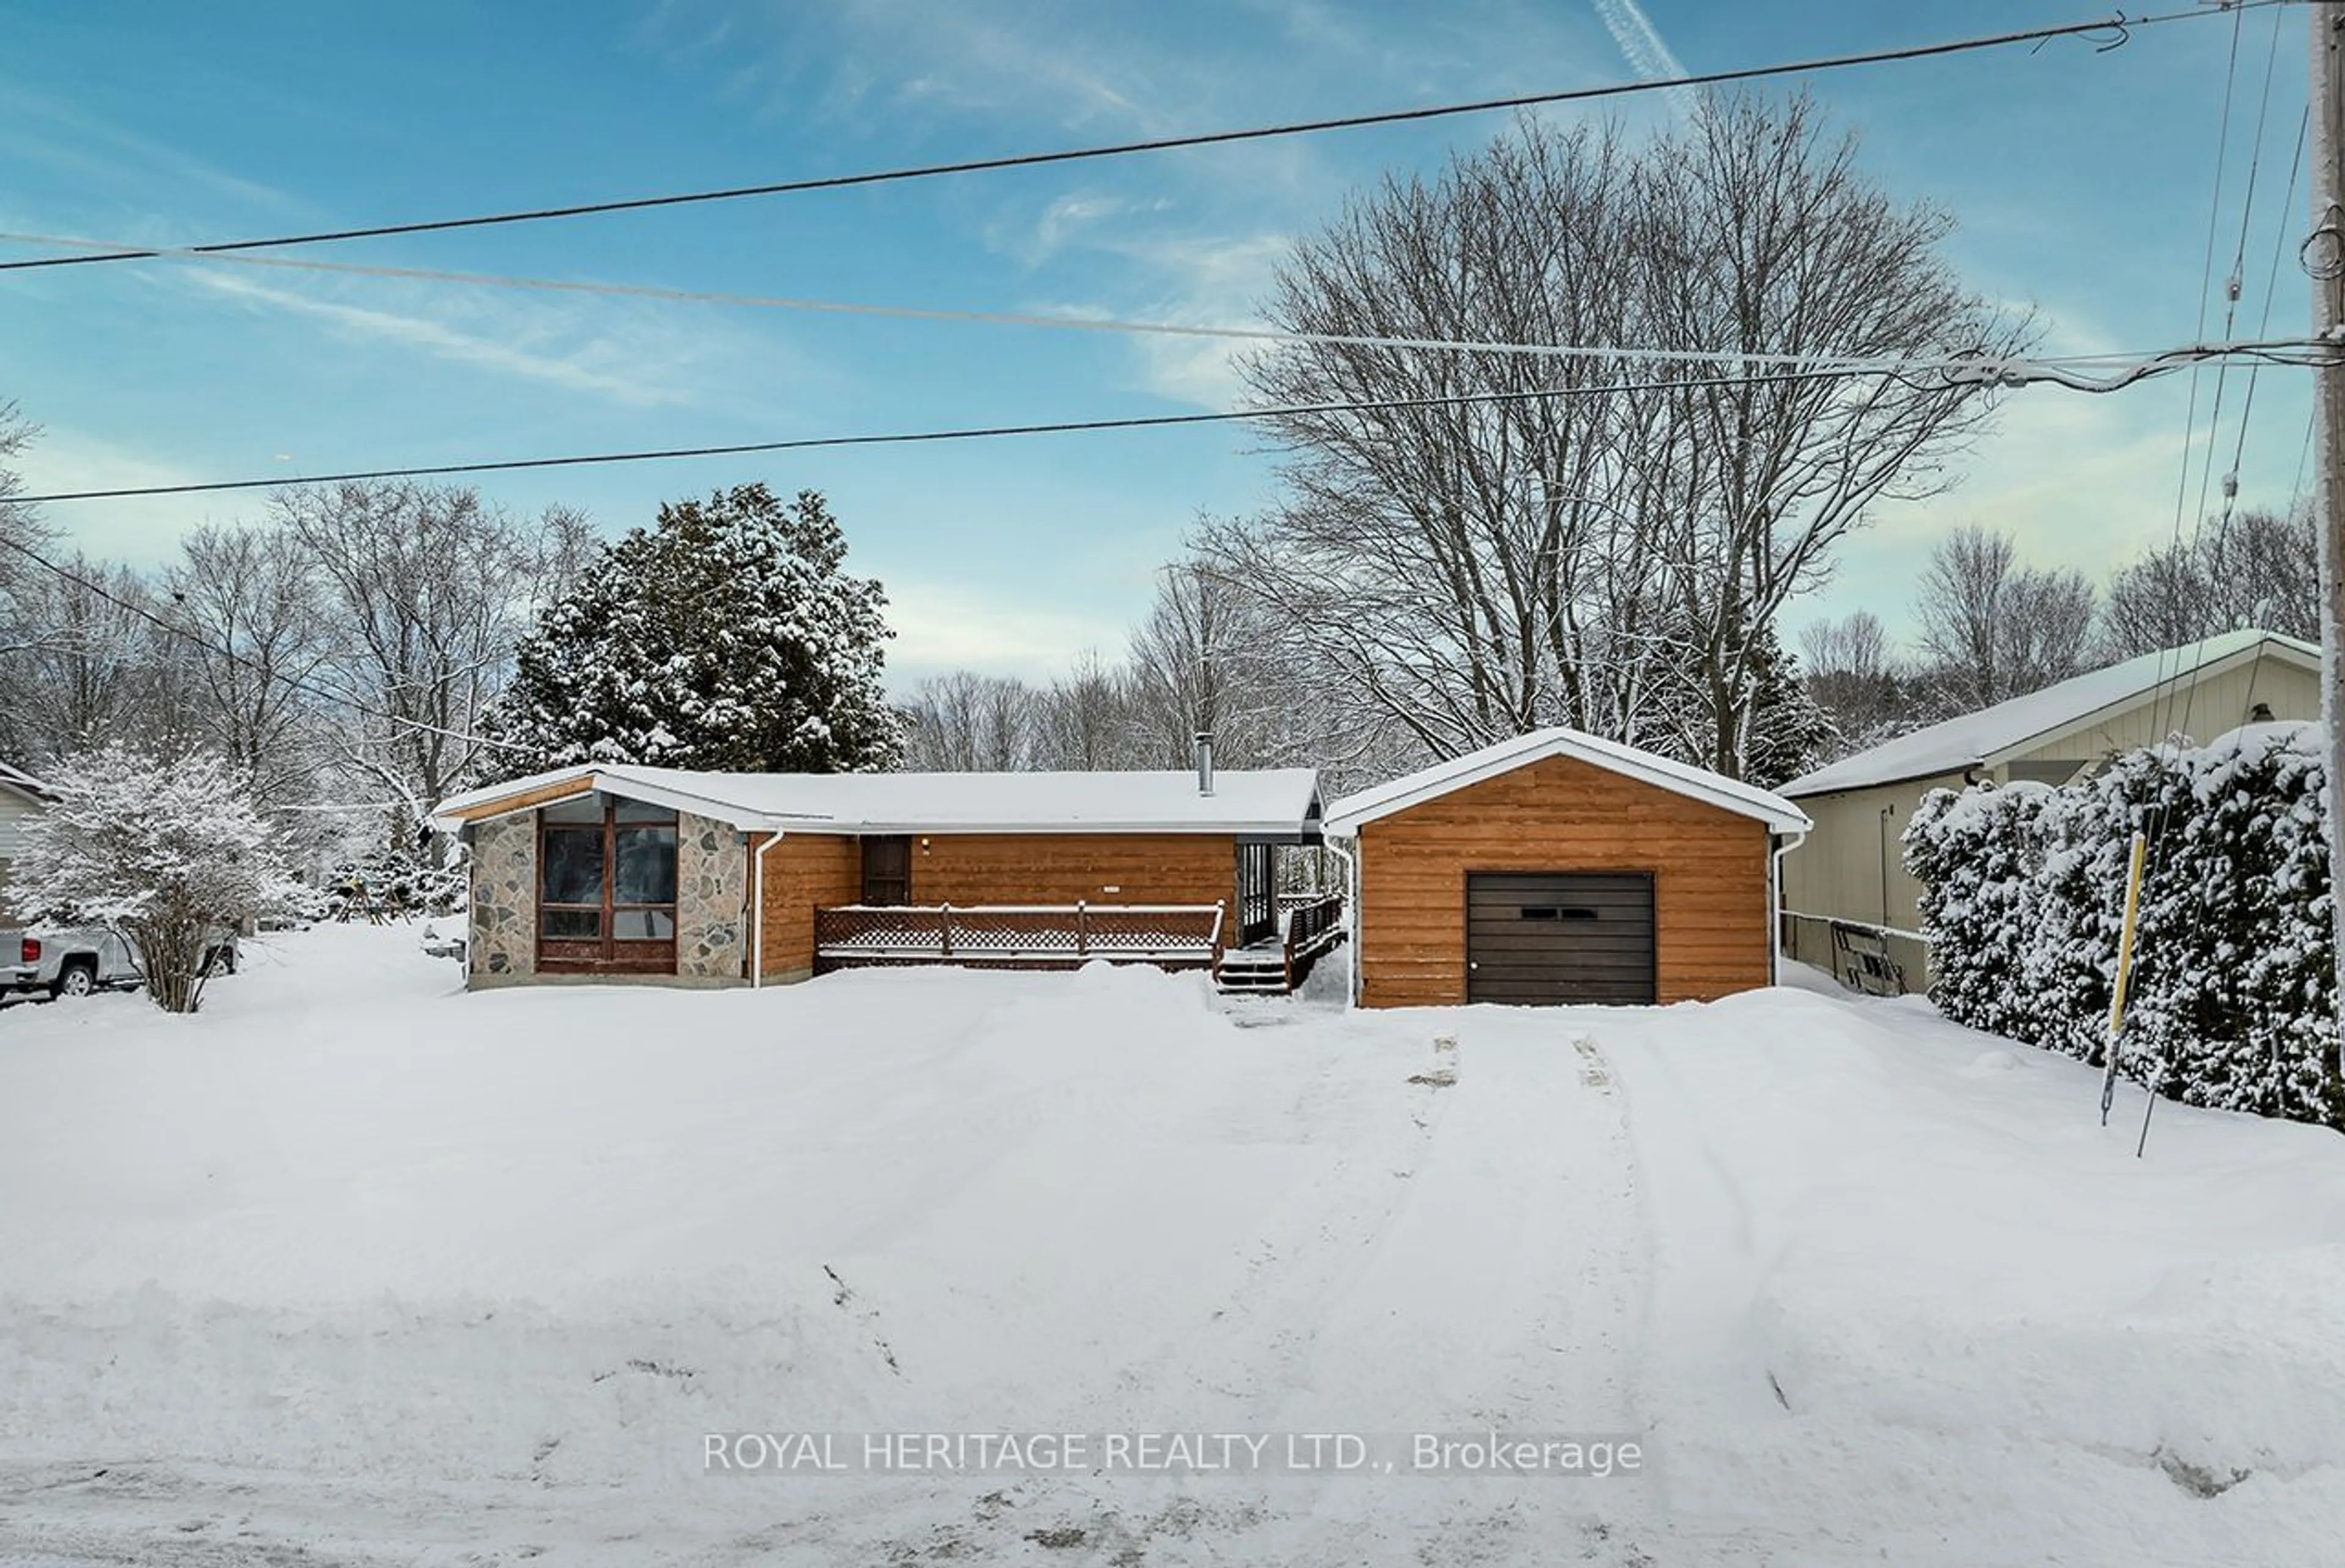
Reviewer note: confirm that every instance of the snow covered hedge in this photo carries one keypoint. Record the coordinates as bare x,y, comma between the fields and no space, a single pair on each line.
2233,994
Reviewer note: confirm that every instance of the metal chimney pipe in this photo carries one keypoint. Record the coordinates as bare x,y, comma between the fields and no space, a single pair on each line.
1204,761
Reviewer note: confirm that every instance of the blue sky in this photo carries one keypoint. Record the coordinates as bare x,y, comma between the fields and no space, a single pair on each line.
2081,183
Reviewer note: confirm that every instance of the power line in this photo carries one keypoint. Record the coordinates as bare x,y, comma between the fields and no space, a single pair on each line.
2109,32
2272,287
2191,415
2230,316
2232,289
290,682
1106,324
1982,372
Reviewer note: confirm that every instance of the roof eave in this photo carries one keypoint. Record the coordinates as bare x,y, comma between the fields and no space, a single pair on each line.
1282,826
1539,747
2271,645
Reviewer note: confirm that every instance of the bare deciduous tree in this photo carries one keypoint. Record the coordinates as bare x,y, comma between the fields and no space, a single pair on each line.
2260,569
1857,679
1763,239
567,544
16,521
968,723
1993,629
1206,659
248,599
427,591
1084,719
1599,540
86,665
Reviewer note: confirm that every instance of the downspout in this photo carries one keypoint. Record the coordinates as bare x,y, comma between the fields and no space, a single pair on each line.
1351,909
1784,844
757,915
1886,812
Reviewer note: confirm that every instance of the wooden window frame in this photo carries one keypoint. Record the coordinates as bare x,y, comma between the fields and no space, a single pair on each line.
606,953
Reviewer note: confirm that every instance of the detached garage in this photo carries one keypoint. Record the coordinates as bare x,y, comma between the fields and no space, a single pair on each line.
1558,868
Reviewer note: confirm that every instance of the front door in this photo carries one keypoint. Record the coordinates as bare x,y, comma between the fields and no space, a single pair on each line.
606,888
887,871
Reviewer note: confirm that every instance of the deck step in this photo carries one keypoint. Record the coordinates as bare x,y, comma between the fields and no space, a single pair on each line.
1261,971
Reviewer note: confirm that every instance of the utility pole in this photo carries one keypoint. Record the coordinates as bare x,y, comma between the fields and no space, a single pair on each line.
2325,260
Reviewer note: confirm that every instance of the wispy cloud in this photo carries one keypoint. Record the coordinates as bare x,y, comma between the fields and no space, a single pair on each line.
107,161
1641,44
551,345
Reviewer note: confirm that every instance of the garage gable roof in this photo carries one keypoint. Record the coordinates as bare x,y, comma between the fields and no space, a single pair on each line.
1346,816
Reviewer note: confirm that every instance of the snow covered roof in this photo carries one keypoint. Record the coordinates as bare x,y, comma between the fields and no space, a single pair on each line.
1346,816
1244,801
1993,736
24,783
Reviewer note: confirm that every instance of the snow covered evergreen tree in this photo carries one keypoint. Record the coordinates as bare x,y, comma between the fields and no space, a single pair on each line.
725,636
167,852
1789,731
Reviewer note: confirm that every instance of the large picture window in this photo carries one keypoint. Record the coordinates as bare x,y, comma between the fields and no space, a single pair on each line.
606,887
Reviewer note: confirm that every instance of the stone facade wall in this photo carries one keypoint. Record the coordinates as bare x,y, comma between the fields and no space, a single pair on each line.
711,906
503,943
711,911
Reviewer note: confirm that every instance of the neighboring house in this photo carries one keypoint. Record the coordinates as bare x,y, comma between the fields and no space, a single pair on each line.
1851,867
1556,868
21,796
713,879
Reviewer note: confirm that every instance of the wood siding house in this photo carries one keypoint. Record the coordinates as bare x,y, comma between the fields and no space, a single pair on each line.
1560,868
1851,871
685,877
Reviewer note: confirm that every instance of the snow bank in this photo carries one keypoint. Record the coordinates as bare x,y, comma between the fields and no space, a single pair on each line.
354,1267
1913,1291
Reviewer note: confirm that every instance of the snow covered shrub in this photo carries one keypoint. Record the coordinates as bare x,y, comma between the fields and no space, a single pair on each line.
166,852
1980,857
2237,998
2232,999
2072,947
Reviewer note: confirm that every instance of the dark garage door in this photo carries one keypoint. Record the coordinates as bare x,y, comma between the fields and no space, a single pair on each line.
1559,936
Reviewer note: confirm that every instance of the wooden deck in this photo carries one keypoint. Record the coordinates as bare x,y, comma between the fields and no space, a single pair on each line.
1307,925
1065,936
1018,935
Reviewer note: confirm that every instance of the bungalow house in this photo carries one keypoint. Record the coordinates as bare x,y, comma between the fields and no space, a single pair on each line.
1848,883
1559,867
620,871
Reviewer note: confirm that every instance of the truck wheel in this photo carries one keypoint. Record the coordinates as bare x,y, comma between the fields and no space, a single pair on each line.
75,979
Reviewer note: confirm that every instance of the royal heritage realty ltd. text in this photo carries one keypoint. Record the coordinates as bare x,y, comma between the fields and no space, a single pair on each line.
1201,1454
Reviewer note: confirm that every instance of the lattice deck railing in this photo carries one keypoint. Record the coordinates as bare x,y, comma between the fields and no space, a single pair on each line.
1018,933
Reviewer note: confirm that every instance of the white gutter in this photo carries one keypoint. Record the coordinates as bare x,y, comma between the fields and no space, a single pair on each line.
757,915
1351,909
1784,844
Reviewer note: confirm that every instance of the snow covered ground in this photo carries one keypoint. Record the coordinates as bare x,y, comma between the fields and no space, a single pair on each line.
355,1269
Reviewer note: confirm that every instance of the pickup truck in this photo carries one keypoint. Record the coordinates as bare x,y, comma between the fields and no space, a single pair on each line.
75,960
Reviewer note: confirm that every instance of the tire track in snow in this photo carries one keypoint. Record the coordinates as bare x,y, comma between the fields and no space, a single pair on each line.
1257,1334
